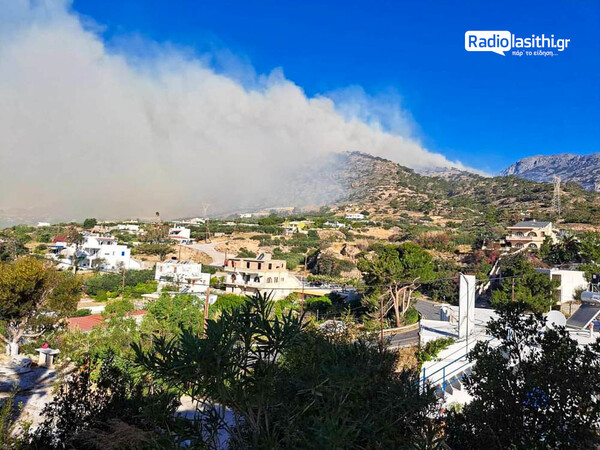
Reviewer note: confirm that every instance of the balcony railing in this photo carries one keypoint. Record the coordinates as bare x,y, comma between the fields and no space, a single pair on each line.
514,237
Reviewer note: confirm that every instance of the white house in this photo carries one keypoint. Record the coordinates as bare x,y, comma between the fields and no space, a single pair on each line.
355,216
129,228
180,235
43,224
103,253
570,281
335,224
187,275
245,215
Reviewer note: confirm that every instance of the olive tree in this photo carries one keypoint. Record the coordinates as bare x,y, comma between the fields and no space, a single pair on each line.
33,297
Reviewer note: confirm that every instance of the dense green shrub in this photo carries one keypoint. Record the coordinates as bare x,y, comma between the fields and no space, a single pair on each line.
320,304
82,312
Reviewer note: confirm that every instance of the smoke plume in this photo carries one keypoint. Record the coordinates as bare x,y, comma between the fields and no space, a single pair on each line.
90,130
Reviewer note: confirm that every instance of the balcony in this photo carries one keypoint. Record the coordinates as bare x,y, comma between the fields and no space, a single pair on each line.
514,237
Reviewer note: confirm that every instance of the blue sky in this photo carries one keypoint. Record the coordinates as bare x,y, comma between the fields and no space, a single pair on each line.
483,109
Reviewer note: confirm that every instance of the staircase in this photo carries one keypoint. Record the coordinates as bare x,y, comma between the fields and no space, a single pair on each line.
448,377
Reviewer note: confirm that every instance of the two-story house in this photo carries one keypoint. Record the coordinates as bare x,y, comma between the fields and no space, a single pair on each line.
261,274
102,252
186,275
530,234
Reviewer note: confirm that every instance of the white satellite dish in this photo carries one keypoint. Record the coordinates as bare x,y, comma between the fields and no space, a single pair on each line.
555,319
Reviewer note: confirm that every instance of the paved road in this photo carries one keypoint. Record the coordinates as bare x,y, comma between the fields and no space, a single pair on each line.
403,339
218,258
429,310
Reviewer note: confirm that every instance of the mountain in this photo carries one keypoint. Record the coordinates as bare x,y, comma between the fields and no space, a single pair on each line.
581,169
390,191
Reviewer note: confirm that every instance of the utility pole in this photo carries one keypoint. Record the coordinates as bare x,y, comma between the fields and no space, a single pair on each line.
123,284
205,206
206,305
512,294
381,321
302,298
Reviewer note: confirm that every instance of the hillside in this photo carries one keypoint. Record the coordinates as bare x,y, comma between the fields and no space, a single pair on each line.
584,170
387,189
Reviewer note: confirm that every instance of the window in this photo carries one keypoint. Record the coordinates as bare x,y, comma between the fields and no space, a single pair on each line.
270,266
269,280
276,279
247,264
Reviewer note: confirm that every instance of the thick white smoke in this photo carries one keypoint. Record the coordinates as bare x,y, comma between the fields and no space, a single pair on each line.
86,131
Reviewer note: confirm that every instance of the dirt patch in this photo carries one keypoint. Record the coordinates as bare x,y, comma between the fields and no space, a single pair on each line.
407,359
233,247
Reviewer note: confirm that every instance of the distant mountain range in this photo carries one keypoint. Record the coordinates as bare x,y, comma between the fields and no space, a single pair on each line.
581,169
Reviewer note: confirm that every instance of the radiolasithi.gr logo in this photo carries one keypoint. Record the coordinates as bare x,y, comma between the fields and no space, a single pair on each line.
504,41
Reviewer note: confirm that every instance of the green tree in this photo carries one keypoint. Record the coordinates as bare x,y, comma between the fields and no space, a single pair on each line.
287,387
161,250
89,223
590,247
33,297
75,238
533,391
118,308
392,272
167,315
522,282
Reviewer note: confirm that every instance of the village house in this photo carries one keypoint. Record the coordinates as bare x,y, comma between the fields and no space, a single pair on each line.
530,234
296,226
129,228
355,216
570,282
187,275
261,274
180,235
101,252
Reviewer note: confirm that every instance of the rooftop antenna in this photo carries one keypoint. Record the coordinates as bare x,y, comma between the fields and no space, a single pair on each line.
556,197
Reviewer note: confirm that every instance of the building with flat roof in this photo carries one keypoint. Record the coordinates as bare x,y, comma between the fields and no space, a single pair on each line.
530,234
101,252
570,282
187,275
260,274
180,235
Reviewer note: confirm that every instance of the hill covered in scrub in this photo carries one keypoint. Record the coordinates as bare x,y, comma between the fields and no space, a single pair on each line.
388,190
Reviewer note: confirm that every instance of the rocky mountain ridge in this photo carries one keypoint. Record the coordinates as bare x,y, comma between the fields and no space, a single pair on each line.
581,169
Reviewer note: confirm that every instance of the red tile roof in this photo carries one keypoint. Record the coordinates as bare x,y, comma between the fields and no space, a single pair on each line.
87,323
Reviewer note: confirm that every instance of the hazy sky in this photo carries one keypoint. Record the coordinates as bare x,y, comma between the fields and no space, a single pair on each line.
119,130
120,108
481,108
